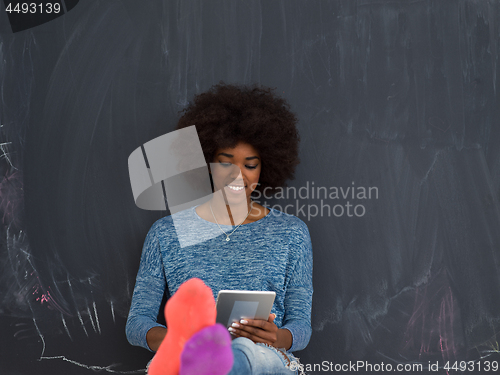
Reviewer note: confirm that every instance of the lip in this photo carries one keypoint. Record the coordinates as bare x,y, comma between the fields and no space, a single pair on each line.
236,189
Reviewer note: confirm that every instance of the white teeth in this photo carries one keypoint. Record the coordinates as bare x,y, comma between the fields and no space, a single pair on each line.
236,188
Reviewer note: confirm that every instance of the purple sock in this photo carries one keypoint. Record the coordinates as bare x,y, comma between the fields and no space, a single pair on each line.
207,352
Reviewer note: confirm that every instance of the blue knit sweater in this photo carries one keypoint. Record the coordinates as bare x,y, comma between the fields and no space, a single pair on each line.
273,253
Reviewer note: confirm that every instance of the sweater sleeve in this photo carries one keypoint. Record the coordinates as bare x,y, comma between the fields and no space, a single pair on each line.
298,297
148,292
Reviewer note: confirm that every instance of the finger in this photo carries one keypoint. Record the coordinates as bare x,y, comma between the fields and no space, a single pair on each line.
267,326
271,318
246,331
268,332
255,338
259,323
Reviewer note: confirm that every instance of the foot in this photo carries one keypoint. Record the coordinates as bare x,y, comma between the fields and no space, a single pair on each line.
208,352
189,310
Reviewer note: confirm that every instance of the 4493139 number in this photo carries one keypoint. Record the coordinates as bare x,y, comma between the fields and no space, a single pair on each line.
33,7
471,366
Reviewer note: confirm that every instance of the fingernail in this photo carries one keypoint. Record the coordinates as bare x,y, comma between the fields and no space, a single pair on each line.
243,321
235,325
231,329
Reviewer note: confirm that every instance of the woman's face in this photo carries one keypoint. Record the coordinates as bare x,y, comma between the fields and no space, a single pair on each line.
237,171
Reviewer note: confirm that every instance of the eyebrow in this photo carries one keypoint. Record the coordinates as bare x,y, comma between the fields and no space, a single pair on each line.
230,156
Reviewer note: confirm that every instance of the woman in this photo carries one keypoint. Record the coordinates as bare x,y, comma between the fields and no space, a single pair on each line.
250,141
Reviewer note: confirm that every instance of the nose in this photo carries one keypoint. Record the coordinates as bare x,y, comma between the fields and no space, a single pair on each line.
236,176
236,172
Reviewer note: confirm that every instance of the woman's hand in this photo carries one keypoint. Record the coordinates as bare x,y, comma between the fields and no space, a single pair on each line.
263,331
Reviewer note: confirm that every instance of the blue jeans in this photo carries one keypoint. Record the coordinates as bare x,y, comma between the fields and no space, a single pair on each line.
260,359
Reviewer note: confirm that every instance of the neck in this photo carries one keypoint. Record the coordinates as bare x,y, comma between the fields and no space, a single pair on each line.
232,213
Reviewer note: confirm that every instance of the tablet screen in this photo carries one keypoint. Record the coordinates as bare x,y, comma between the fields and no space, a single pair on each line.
234,305
243,309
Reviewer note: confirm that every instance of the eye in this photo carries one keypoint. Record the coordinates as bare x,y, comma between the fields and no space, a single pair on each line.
225,164
251,166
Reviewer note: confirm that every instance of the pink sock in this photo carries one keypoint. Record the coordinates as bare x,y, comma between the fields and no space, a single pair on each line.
189,310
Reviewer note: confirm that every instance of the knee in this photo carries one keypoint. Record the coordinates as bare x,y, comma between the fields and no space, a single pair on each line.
244,356
245,346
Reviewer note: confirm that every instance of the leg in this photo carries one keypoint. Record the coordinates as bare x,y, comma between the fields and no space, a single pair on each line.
252,359
188,311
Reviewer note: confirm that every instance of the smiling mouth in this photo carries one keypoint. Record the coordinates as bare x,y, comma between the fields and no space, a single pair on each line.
235,187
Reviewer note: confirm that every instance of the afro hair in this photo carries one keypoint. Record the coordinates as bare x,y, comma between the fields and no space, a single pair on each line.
226,115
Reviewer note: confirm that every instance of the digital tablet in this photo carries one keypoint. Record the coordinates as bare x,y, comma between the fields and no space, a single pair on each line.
233,305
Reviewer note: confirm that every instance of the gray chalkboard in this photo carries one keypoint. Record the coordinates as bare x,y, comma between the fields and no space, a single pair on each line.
399,181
